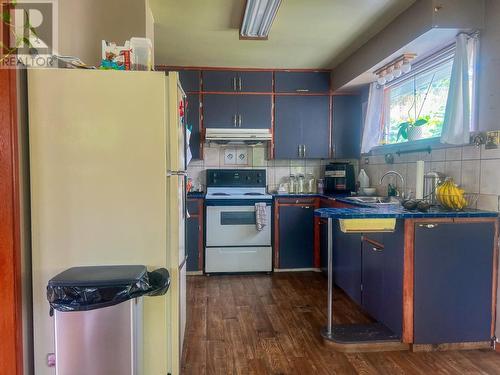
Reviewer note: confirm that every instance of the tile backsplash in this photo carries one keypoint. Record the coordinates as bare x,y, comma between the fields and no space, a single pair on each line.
278,171
477,170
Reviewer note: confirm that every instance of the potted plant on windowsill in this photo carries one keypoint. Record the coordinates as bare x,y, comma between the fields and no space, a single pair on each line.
412,129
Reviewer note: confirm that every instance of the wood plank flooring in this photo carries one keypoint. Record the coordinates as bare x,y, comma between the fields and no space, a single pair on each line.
270,325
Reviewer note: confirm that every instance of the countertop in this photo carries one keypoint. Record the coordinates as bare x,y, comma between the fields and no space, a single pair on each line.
366,211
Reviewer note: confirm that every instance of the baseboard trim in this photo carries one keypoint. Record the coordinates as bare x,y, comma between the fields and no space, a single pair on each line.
452,346
297,270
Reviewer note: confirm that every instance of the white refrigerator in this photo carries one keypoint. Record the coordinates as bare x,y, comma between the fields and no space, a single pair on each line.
107,167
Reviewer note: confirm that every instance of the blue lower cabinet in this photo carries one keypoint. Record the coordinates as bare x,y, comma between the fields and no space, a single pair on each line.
194,234
347,261
453,282
382,277
296,236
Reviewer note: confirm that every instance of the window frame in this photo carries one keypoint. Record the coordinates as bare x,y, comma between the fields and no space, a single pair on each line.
432,62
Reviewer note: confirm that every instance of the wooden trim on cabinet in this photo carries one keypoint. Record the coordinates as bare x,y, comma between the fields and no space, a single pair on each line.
408,280
11,355
201,235
238,93
317,242
494,280
163,67
276,235
331,151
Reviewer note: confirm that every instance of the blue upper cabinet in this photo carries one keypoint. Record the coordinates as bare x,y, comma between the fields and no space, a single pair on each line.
302,82
237,81
347,126
302,127
193,120
237,111
190,80
254,111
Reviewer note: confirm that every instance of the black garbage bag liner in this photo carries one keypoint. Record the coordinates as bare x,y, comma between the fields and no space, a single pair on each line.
95,287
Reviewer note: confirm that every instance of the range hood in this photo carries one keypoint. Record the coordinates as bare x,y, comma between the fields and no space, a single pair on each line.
224,135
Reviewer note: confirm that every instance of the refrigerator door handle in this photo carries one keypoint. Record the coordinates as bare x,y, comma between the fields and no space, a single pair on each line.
171,173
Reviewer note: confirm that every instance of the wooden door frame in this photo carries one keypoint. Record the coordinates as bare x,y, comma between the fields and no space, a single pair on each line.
11,355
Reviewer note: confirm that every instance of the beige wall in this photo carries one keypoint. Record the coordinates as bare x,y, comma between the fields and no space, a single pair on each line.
84,23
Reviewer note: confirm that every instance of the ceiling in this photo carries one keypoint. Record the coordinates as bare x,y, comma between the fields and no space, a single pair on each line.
305,34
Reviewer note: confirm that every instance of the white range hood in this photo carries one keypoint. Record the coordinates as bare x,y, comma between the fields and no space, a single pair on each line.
237,135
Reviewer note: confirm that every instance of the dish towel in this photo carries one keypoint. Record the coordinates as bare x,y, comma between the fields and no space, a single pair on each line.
260,215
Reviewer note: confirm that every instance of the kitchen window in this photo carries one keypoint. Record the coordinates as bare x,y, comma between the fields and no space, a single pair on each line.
414,105
419,99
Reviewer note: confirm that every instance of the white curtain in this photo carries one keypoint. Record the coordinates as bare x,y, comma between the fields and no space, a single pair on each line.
458,117
372,131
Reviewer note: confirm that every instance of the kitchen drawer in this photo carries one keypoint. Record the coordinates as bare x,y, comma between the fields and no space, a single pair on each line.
193,206
238,259
300,201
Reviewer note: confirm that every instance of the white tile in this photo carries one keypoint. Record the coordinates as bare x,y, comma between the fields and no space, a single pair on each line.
313,162
411,176
315,171
471,153
270,179
281,163
453,169
297,170
198,176
454,153
281,175
258,158
211,157
438,155
196,163
470,175
437,166
487,202
377,159
298,163
490,154
490,177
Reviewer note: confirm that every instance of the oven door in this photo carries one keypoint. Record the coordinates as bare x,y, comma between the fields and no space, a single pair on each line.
236,226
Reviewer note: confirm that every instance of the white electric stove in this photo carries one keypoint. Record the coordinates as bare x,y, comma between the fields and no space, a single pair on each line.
233,242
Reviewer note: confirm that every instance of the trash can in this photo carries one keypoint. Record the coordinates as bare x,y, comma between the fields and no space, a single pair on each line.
98,317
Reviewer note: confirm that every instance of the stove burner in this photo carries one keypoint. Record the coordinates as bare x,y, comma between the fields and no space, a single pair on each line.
225,194
253,193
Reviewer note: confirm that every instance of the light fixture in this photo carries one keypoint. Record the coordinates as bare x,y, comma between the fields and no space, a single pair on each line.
258,18
395,69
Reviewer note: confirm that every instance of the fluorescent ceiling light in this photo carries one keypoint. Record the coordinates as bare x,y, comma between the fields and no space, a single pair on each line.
258,18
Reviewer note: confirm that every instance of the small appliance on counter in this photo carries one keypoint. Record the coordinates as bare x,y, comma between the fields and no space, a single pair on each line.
339,178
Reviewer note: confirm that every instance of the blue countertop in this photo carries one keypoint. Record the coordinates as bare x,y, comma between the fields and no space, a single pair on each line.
316,195
365,211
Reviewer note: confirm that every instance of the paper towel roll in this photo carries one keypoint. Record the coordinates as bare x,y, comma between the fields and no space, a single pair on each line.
419,180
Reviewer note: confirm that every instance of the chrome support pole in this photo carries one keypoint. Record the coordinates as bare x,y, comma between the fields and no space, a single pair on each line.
330,277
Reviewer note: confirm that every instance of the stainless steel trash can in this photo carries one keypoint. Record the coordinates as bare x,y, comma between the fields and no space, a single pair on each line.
98,317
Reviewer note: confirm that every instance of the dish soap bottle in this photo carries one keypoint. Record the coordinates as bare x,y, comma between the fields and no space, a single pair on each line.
364,180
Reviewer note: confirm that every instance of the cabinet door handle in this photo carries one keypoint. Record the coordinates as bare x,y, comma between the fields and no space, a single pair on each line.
234,120
239,83
304,153
299,151
240,119
302,90
377,249
234,83
428,226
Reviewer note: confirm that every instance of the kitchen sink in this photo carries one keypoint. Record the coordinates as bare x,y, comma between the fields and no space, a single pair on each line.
377,201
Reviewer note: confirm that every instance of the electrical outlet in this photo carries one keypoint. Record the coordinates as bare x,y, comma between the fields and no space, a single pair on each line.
230,156
492,140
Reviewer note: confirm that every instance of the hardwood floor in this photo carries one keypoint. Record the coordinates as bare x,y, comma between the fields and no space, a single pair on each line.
270,325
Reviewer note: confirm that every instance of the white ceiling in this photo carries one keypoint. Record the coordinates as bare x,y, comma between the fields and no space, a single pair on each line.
305,34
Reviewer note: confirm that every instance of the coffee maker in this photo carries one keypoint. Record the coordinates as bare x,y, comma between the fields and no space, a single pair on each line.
339,178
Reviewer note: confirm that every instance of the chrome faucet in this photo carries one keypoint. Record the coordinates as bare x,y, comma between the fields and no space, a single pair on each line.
401,194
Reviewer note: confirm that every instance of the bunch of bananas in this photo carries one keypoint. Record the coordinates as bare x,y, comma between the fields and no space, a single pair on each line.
451,196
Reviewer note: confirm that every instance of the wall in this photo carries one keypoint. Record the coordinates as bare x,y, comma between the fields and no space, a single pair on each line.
489,66
84,24
477,170
277,171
